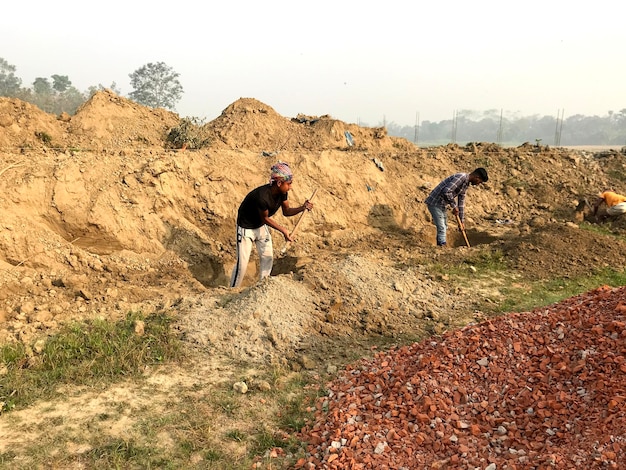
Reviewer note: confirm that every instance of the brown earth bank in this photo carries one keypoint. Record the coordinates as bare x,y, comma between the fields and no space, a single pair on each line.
102,215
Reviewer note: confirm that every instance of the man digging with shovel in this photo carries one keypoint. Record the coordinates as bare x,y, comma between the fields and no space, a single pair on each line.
254,221
451,193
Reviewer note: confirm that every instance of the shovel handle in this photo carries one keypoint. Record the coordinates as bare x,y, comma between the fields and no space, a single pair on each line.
458,220
288,244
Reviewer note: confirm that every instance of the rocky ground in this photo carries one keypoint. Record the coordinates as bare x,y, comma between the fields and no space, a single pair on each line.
102,215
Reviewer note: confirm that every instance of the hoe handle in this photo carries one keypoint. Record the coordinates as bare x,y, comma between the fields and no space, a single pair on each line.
288,244
458,220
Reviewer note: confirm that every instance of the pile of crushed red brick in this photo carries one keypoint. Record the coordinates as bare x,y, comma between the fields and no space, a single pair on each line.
542,389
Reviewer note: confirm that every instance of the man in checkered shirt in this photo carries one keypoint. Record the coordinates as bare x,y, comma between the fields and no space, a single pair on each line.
450,193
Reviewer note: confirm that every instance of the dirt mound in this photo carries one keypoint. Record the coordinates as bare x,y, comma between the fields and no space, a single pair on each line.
253,125
25,126
105,122
249,124
254,333
109,121
542,389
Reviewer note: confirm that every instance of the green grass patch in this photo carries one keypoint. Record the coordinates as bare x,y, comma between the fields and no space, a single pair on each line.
85,353
123,454
602,229
44,137
227,403
295,403
488,262
218,428
514,293
525,297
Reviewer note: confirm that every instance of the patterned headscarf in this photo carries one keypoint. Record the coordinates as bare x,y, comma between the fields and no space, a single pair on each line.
281,172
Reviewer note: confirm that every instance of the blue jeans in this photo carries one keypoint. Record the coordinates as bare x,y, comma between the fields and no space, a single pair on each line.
440,219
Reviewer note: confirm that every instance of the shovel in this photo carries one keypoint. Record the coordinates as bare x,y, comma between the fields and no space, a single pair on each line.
462,229
288,244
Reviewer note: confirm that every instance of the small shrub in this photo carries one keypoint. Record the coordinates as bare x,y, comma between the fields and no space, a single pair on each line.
44,137
188,134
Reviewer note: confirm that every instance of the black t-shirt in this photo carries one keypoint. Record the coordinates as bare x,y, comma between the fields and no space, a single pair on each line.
257,201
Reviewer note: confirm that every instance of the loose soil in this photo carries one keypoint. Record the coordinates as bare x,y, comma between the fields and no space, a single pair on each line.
100,217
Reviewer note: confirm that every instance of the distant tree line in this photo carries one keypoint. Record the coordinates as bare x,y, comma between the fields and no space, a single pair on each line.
154,84
491,126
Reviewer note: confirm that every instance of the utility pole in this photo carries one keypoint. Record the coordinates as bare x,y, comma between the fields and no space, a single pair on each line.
559,127
454,125
417,128
556,130
499,137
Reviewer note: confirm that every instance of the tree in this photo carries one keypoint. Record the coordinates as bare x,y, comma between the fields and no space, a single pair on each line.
42,86
9,84
156,85
43,95
61,83
68,101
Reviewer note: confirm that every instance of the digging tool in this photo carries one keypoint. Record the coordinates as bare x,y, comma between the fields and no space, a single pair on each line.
462,229
288,244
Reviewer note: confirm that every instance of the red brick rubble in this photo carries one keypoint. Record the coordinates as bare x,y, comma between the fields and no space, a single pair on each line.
536,390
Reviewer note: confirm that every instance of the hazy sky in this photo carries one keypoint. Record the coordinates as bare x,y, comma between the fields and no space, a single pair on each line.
361,62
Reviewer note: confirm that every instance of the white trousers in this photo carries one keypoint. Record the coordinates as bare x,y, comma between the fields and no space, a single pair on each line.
617,209
245,237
